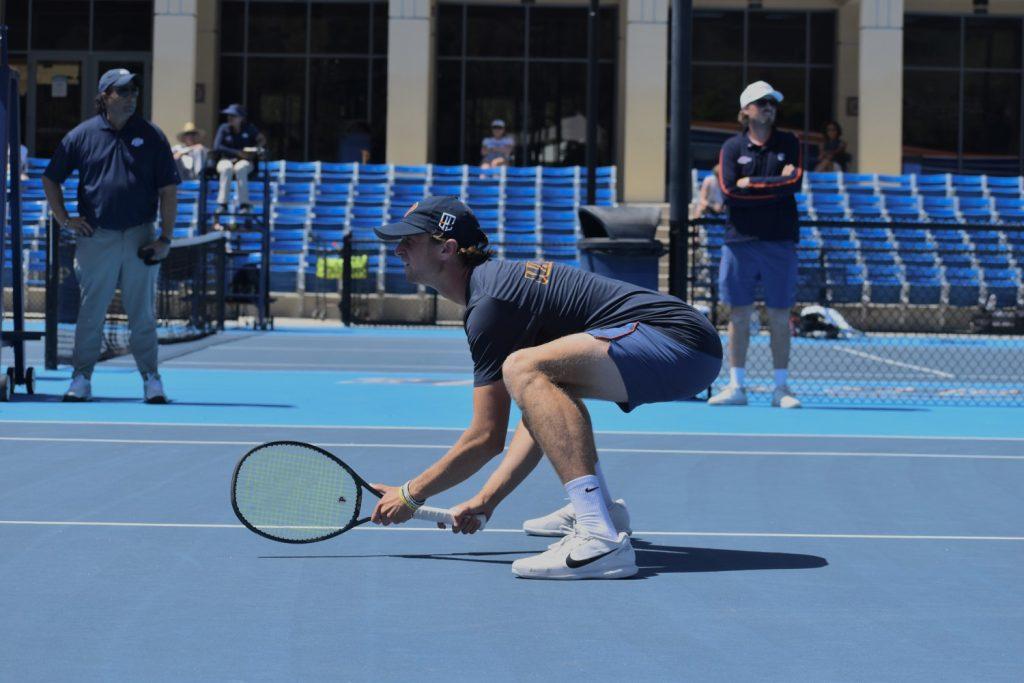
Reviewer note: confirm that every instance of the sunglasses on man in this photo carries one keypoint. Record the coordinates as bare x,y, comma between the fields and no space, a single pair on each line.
127,90
765,102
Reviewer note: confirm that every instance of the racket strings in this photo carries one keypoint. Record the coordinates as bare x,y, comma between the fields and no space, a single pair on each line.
295,493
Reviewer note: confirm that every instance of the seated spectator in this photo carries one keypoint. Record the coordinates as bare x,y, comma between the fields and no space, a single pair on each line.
236,147
497,149
190,153
710,200
23,163
833,156
355,145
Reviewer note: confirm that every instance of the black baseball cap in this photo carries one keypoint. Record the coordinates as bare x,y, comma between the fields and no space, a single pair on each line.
445,216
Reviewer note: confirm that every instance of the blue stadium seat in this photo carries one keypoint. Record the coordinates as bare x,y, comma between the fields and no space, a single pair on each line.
444,190
956,259
448,174
1003,186
964,286
932,184
333,172
918,258
985,236
1005,284
301,171
968,185
924,285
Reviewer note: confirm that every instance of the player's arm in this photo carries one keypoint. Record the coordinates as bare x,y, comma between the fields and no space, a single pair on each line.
521,458
483,440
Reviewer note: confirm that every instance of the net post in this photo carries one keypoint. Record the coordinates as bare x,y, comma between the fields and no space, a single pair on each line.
52,291
221,283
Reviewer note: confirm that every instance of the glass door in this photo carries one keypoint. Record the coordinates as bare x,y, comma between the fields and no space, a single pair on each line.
56,103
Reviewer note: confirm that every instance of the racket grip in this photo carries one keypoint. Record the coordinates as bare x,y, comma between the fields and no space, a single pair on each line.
431,514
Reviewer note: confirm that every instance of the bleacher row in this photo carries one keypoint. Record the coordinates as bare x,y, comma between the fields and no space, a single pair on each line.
527,212
969,248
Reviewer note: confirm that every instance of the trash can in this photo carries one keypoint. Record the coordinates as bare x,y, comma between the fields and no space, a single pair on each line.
618,242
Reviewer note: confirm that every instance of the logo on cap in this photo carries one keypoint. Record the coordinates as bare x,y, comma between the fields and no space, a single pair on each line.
447,221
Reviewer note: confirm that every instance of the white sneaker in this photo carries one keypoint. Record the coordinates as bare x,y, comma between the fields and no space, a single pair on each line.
581,555
782,397
563,520
154,390
732,395
79,391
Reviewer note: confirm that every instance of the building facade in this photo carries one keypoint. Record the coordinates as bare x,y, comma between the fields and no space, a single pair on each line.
915,84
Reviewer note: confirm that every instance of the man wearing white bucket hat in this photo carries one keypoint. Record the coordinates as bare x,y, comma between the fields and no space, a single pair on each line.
760,169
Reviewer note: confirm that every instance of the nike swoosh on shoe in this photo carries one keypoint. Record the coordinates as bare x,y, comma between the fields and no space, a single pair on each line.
572,563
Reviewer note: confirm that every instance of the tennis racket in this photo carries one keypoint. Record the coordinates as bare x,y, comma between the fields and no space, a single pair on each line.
295,492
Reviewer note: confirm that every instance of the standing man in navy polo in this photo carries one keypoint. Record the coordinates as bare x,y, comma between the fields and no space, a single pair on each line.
125,169
760,170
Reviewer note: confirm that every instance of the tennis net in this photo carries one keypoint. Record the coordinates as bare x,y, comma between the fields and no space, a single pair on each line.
189,300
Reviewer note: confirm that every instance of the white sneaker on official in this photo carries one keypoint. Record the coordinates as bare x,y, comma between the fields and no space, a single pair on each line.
79,391
154,390
782,397
563,520
731,395
581,555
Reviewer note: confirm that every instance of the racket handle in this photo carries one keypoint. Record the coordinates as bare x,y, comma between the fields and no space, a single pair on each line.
442,515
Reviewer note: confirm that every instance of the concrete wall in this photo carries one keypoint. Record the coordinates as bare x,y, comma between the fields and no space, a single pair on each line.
410,81
880,90
174,64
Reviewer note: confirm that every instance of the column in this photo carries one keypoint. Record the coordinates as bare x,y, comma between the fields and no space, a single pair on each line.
644,101
880,119
410,81
174,64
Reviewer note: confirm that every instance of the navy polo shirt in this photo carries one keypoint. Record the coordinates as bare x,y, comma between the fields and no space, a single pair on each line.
513,305
120,171
227,144
766,209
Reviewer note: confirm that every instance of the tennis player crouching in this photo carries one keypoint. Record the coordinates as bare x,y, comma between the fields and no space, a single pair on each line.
546,336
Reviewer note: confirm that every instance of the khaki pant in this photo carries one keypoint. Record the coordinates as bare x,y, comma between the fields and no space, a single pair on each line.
240,169
101,262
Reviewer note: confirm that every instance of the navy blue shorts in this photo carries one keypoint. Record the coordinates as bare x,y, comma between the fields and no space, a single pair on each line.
655,367
744,264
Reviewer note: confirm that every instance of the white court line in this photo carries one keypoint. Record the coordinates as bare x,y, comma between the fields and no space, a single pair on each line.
719,534
899,364
753,435
652,451
319,366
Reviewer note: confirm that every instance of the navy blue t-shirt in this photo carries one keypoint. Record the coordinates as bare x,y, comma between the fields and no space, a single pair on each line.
120,171
227,143
513,305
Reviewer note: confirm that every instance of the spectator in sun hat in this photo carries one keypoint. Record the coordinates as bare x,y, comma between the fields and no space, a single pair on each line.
190,152
760,169
126,170
496,150
235,149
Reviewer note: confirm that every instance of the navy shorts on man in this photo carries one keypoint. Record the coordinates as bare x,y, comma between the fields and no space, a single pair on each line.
656,367
745,265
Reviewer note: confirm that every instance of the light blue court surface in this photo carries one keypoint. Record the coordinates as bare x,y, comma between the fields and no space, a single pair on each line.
857,544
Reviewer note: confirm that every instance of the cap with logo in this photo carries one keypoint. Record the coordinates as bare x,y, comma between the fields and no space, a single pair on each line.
757,90
445,216
115,78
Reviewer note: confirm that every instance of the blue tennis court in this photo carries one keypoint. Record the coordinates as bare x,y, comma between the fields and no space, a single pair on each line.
840,542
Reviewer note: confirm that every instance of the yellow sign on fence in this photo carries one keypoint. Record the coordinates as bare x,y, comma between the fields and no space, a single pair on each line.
330,267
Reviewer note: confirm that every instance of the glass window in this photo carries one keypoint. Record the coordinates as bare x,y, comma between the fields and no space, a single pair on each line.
275,95
716,95
992,114
448,121
14,13
380,28
494,31
123,25
449,30
558,32
717,36
823,38
339,98
60,25
822,96
931,41
340,27
277,27
930,122
232,81
232,26
777,37
494,90
379,112
992,43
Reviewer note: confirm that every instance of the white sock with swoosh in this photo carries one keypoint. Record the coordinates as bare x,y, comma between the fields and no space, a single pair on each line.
588,503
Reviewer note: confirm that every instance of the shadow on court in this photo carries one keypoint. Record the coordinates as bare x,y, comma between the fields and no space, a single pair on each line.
652,559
